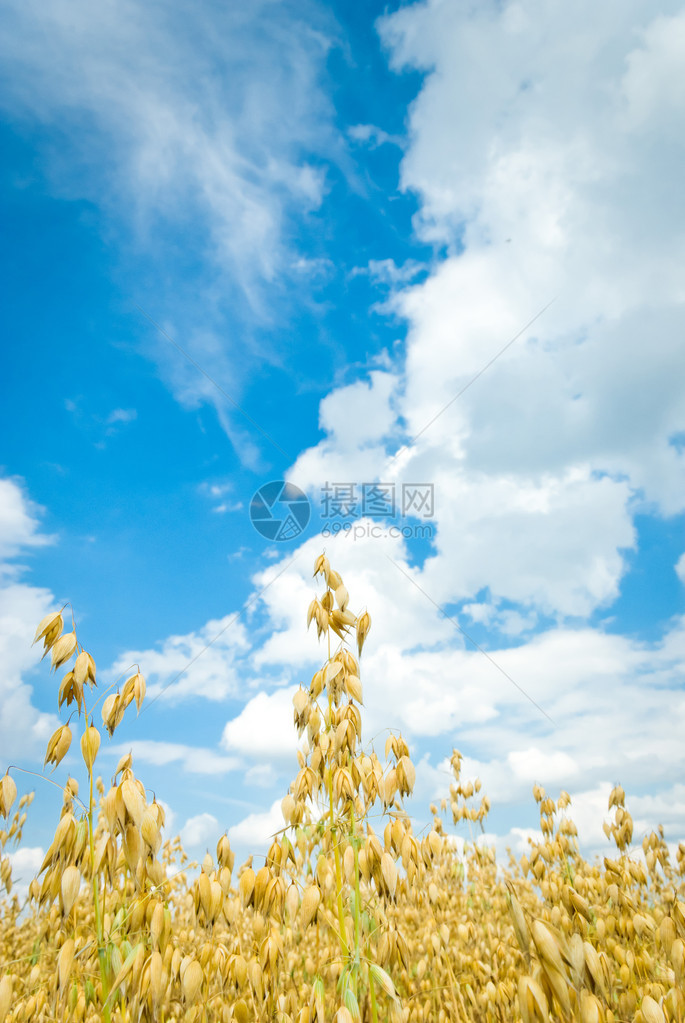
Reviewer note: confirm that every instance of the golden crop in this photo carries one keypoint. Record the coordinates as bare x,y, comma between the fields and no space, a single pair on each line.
344,921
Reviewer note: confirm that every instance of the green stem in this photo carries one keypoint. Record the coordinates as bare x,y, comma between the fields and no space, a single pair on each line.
13,767
374,1009
96,903
338,868
357,903
336,847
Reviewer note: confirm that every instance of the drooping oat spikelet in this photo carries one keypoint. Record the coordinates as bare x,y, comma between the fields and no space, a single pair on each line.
90,744
71,882
63,650
58,746
310,903
363,628
5,996
8,793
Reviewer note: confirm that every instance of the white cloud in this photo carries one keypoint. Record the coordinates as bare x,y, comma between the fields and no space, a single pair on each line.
431,785
543,188
194,117
609,696
588,810
212,122
515,527
201,663
419,675
386,271
390,274
512,623
222,509
550,183
653,84
616,704
200,830
401,614
121,415
519,839
24,730
254,832
25,862
169,819
591,683
193,759
666,808
373,136
481,612
219,491
556,767
262,775
356,419
680,568
360,413
19,521
264,727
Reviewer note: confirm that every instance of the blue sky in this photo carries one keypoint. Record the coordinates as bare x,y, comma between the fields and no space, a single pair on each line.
342,214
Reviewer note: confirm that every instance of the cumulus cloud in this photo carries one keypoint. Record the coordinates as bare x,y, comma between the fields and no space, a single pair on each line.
262,775
24,730
25,862
613,701
201,663
356,418
508,532
19,522
255,831
548,183
193,759
557,767
589,810
264,727
560,183
401,615
200,830
544,189
169,819
666,808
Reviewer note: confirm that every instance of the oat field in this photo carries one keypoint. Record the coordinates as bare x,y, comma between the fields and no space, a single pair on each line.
352,915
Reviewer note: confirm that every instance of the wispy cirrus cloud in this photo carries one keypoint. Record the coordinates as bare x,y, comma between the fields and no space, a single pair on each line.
181,115
203,136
